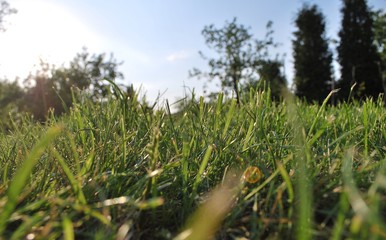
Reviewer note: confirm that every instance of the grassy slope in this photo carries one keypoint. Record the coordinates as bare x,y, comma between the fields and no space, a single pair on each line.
116,169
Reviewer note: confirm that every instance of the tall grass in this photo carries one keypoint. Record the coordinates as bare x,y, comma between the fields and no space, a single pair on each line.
121,170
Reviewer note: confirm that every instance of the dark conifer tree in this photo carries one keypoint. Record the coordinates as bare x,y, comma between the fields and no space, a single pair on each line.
273,78
357,53
312,58
379,18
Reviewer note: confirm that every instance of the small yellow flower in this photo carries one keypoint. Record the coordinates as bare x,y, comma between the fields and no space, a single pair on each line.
252,174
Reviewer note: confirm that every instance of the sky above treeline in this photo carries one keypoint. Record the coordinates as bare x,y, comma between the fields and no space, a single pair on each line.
157,41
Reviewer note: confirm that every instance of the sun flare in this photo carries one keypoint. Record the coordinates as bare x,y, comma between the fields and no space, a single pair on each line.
41,30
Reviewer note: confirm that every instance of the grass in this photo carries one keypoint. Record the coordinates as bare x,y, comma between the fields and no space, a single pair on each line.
119,170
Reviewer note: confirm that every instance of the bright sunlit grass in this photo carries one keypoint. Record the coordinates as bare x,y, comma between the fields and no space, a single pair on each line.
118,170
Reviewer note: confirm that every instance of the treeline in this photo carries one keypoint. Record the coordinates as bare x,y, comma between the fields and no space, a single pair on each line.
52,90
243,61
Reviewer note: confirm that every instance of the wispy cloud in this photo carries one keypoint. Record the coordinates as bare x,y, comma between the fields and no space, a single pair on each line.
180,55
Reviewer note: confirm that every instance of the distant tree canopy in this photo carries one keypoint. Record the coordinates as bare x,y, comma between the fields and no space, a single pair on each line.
240,58
270,77
270,72
11,94
52,88
5,10
312,58
357,54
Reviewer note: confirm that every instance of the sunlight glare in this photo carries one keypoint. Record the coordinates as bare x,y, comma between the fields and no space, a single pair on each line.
41,30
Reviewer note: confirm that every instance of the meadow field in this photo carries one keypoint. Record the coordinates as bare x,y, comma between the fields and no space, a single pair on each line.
262,170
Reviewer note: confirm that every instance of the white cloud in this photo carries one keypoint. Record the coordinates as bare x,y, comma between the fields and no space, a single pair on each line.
180,55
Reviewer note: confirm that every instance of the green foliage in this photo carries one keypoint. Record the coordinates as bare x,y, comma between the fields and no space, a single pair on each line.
357,53
312,59
119,170
10,97
240,57
271,79
52,88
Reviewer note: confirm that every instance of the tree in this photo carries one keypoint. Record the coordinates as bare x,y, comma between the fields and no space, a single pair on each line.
270,77
10,92
239,55
273,78
51,88
357,54
5,10
88,72
380,41
312,58
41,97
10,95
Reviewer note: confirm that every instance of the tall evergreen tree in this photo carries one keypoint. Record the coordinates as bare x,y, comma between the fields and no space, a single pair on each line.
358,55
379,18
312,57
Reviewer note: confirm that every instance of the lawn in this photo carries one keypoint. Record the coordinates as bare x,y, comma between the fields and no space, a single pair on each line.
118,169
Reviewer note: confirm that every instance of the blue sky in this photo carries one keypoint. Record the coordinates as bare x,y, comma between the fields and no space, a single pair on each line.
157,40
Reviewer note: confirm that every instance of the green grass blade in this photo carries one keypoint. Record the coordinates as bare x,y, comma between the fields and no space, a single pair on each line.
229,117
320,111
287,181
366,126
68,229
75,185
20,179
201,170
217,116
303,180
344,206
358,204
